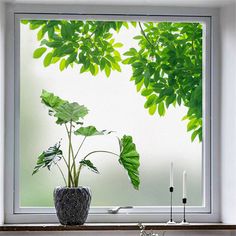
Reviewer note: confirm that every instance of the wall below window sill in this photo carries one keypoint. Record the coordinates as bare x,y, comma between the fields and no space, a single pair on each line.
114,227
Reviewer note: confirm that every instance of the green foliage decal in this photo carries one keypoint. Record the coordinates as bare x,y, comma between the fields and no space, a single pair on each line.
89,44
167,69
167,65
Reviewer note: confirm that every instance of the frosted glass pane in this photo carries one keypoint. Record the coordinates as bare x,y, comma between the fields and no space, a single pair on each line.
114,104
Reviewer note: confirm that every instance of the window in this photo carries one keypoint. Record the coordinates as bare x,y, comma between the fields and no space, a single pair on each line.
117,101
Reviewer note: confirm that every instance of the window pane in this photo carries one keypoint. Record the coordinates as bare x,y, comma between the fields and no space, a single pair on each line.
115,104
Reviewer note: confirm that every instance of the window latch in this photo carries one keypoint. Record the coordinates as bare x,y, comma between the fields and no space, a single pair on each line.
115,210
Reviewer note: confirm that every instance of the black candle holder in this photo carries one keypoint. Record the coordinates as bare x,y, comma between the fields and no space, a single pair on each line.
171,189
184,222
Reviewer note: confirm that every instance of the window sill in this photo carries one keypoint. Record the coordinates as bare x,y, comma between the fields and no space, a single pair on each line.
114,227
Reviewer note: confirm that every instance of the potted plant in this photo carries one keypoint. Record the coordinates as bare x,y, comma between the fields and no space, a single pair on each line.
72,201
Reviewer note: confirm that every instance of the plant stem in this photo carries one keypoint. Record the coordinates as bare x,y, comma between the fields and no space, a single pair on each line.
71,152
97,151
63,176
143,33
80,147
73,165
69,149
69,174
80,166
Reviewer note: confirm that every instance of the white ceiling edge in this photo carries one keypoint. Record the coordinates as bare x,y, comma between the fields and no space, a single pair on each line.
167,3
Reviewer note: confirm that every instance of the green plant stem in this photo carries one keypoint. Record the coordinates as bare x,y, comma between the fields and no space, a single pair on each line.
145,36
73,165
63,176
69,150
80,147
97,151
69,174
80,166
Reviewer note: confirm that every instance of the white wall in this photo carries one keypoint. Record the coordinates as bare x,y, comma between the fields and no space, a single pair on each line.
2,11
228,113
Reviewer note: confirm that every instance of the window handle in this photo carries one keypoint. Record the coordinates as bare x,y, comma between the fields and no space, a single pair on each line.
115,210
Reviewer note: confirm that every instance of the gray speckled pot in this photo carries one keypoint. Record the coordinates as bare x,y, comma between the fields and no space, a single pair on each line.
72,204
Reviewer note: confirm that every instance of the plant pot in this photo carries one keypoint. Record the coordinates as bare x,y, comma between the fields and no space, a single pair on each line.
72,204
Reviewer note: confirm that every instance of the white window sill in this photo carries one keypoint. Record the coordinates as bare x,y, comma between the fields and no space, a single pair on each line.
114,227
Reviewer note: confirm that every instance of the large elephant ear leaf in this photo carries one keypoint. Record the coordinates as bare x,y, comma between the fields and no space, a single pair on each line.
129,159
50,100
71,112
90,131
48,158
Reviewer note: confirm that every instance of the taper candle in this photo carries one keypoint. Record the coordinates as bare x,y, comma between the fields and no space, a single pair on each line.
171,174
184,184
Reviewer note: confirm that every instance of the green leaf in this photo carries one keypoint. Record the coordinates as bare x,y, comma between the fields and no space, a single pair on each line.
152,109
146,81
89,165
39,52
192,125
90,131
138,79
71,112
25,22
126,24
194,135
138,37
179,100
161,109
103,64
62,64
66,30
126,61
107,70
92,69
51,44
47,60
138,72
146,92
139,86
96,69
110,58
55,60
185,117
40,35
129,159
50,100
170,100
133,23
137,64
118,45
150,101
117,66
48,158
71,58
51,32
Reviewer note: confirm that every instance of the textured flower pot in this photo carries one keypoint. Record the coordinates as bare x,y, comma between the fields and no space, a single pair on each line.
72,204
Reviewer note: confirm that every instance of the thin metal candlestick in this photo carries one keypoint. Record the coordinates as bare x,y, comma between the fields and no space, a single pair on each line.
171,206
184,222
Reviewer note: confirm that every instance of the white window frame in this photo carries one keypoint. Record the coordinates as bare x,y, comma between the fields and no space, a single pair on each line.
210,211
